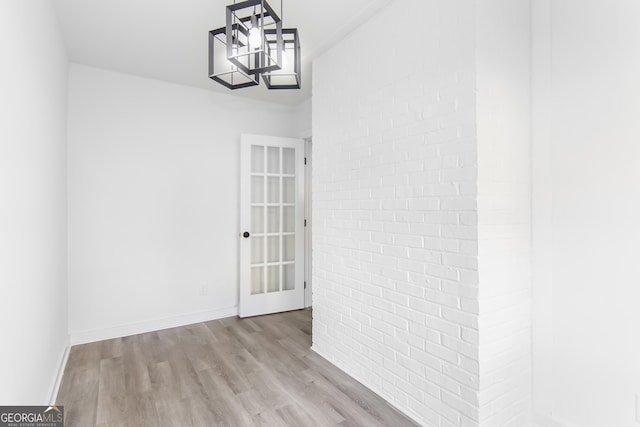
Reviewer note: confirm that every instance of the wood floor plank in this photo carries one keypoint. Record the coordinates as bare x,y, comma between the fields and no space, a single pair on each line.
268,419
110,348
354,392
136,372
142,410
185,376
80,412
294,415
266,393
172,411
230,372
79,385
223,400
224,369
86,356
112,401
161,375
203,413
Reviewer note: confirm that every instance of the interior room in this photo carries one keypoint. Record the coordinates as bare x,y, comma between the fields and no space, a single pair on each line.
466,208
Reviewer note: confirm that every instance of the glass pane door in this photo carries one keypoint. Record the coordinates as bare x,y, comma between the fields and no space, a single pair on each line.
273,245
272,207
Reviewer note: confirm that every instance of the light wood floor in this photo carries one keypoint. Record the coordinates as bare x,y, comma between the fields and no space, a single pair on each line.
229,372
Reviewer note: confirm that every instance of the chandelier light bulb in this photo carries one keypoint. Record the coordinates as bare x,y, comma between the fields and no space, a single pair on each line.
255,36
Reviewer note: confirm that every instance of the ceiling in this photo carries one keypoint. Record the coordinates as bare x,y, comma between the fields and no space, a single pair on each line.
167,39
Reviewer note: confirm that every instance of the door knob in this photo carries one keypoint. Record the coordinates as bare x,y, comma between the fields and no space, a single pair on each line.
246,234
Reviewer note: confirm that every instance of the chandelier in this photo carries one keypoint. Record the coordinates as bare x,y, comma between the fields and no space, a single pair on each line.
253,44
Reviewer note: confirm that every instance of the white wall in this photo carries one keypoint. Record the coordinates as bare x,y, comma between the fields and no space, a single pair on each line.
592,282
33,305
504,206
153,201
541,213
303,118
394,193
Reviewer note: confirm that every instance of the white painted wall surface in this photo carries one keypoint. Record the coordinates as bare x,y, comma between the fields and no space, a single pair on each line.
504,205
33,196
303,119
153,201
594,99
541,213
394,193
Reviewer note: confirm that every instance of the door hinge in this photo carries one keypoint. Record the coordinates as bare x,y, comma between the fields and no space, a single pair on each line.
305,160
305,285
305,222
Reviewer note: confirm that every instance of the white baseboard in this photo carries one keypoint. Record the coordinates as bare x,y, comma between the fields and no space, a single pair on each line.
83,337
58,378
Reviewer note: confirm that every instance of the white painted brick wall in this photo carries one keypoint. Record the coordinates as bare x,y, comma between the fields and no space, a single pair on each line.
395,229
421,210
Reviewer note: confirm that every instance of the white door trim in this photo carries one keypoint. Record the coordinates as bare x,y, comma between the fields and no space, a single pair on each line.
308,292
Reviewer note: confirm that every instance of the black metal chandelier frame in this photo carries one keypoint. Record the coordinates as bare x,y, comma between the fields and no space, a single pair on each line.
247,57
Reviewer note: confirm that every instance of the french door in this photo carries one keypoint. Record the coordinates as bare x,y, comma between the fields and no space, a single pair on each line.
272,225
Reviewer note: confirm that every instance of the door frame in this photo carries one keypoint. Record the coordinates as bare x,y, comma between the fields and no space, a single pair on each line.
308,292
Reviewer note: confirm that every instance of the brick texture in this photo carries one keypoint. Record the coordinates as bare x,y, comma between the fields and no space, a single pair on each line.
395,257
421,210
